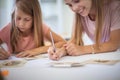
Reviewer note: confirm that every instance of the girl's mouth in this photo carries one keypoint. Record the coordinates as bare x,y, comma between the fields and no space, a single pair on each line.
81,11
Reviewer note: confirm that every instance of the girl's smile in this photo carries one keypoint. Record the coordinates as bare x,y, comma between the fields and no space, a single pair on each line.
82,7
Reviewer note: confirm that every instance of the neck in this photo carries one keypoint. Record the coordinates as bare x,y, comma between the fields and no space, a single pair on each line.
92,14
27,33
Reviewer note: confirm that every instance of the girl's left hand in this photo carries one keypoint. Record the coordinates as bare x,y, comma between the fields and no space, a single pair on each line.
27,53
72,49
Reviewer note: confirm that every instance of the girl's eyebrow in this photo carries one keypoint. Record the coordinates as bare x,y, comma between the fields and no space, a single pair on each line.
28,17
69,2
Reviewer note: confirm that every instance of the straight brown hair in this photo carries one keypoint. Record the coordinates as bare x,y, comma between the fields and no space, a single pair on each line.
78,27
32,8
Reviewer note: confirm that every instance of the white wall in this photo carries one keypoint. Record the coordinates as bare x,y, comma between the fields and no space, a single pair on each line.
68,17
5,11
58,16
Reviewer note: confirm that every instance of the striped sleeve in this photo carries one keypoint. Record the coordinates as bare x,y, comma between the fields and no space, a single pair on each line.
115,18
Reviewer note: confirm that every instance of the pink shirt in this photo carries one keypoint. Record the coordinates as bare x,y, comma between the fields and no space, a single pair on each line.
24,44
111,21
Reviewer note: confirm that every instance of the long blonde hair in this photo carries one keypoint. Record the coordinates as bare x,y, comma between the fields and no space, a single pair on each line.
32,8
78,28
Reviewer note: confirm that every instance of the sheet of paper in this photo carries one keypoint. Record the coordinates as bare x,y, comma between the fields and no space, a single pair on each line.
101,61
81,64
65,64
12,63
36,57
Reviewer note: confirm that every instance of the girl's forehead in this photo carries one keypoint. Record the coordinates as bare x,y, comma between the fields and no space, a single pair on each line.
67,0
21,13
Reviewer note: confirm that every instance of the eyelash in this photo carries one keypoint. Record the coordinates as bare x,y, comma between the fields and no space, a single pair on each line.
76,1
24,19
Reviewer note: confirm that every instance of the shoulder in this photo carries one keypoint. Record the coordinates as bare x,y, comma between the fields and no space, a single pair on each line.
6,28
114,4
5,32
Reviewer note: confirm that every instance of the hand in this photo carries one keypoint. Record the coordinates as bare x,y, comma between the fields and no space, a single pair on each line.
72,49
57,54
3,54
27,53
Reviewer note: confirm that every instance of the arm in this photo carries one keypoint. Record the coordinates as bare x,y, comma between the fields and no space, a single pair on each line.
112,45
59,41
3,54
43,49
4,33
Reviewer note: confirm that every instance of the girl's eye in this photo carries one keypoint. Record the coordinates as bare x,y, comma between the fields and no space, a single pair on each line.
27,19
70,5
18,18
76,1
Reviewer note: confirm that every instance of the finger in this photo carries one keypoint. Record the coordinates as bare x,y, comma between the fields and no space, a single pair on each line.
19,54
65,45
70,51
50,56
5,53
59,54
22,54
2,58
30,55
53,57
51,51
69,46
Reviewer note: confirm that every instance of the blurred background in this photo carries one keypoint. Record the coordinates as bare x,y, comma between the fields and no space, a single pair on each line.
55,13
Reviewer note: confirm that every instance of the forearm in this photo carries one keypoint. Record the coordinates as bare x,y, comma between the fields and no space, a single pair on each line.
43,49
60,44
104,47
108,47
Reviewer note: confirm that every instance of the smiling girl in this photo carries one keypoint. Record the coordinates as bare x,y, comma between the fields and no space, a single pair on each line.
100,20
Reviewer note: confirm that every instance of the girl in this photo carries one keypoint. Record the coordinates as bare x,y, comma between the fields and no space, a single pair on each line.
25,34
100,20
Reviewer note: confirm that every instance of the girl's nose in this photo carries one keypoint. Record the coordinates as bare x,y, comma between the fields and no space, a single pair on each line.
21,23
75,8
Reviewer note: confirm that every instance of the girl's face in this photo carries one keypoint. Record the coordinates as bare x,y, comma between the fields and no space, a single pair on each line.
23,21
81,7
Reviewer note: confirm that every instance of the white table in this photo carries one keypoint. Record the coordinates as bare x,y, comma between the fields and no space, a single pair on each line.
39,69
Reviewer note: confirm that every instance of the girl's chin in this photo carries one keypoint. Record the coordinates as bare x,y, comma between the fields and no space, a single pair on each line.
84,15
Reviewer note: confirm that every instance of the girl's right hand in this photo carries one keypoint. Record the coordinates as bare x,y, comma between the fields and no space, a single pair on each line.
57,54
3,54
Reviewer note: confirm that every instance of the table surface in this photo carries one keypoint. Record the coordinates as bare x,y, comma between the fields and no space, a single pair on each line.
39,69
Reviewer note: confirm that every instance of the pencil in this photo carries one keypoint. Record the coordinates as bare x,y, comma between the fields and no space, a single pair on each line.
53,44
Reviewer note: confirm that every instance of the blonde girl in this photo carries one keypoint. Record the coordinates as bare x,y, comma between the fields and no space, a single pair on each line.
100,20
26,32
